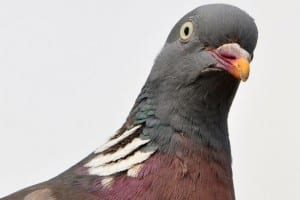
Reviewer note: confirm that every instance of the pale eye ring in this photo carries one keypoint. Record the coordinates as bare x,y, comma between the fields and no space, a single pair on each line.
186,31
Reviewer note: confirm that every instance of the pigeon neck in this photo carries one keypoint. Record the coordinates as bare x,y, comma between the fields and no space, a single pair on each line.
198,111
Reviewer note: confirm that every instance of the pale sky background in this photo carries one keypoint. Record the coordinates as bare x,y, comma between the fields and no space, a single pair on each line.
70,71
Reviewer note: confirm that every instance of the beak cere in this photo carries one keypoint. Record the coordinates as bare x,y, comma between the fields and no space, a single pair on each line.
233,59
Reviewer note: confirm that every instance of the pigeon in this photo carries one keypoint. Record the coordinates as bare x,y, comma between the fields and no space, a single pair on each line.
174,143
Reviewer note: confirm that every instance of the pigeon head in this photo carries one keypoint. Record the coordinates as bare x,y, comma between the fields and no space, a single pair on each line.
195,76
223,31
217,36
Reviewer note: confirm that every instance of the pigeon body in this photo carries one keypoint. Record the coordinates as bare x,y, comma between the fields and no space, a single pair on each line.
174,143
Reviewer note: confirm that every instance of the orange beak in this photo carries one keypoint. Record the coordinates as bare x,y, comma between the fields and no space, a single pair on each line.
233,59
241,69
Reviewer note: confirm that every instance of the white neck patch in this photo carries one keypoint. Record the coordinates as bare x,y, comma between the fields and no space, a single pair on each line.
134,153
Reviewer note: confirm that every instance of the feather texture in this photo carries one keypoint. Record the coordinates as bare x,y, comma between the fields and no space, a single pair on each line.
123,164
115,141
122,152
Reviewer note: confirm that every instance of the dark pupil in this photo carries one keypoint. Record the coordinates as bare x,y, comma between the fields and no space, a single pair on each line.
186,30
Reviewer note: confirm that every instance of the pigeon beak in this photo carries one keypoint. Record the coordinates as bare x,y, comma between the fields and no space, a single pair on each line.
233,59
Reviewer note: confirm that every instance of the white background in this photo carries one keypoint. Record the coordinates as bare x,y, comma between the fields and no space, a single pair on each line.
70,71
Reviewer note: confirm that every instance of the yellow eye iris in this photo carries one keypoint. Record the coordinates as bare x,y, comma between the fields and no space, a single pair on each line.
186,31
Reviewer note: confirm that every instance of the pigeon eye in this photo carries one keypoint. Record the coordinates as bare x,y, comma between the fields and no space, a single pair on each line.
186,31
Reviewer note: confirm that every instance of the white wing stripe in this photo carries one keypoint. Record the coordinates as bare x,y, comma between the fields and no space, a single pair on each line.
120,153
115,141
